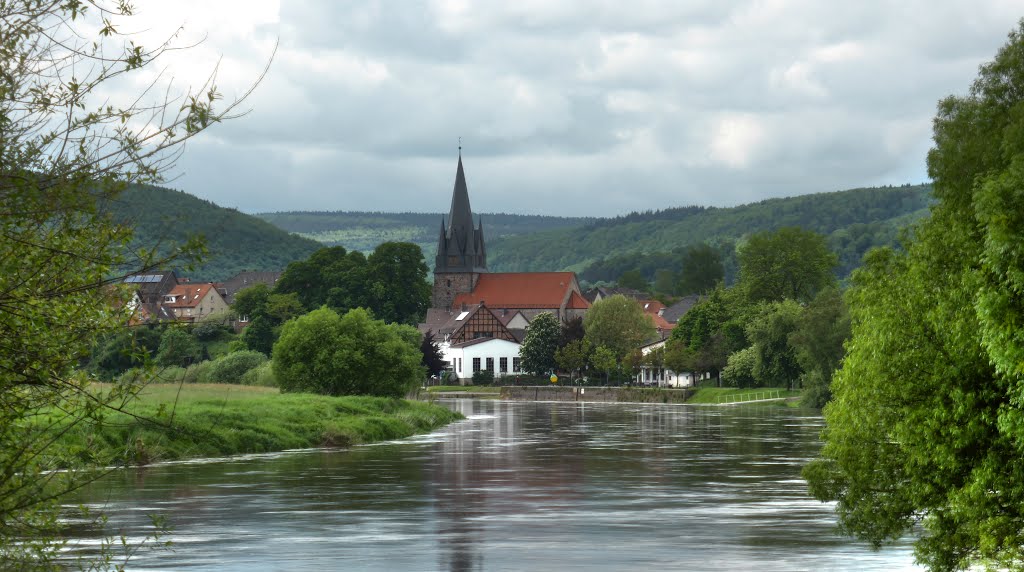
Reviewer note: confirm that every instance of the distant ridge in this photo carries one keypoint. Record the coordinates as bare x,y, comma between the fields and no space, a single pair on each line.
236,241
853,220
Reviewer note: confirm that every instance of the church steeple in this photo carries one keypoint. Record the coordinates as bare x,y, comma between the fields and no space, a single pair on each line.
460,247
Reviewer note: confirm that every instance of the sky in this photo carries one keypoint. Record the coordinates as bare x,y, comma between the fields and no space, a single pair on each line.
563,108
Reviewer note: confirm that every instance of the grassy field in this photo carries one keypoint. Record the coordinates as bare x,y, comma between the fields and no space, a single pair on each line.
171,421
712,395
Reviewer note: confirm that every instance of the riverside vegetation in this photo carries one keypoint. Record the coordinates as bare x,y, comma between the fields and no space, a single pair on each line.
171,421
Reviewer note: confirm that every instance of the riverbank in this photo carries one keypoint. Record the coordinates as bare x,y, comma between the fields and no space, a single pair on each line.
691,396
181,421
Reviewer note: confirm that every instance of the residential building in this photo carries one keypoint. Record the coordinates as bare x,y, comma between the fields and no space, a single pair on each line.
193,302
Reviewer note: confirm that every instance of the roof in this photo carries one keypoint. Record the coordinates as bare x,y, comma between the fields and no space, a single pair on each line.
577,302
188,295
247,278
654,309
436,319
521,290
676,311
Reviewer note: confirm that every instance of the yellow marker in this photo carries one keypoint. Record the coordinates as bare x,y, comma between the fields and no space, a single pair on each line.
554,378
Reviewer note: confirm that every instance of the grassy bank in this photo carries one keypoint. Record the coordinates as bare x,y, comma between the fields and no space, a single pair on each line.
714,395
171,421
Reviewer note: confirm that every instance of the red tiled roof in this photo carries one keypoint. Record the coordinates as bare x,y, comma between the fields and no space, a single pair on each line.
187,295
577,302
519,290
652,308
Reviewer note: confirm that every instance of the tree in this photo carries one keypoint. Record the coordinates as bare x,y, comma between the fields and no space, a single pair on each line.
538,348
790,263
322,352
818,344
633,279
177,348
775,362
619,324
926,425
573,356
67,150
604,359
432,359
739,371
572,330
398,288
251,302
702,270
330,276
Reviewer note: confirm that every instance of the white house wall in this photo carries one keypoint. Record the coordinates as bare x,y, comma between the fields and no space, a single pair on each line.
461,358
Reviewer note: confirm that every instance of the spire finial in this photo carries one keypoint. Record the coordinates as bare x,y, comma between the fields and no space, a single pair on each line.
460,147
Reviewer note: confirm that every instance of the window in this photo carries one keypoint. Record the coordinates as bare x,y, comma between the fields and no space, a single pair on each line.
515,364
503,365
476,364
490,364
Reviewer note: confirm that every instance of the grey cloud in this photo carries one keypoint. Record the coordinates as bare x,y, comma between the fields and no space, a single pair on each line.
591,108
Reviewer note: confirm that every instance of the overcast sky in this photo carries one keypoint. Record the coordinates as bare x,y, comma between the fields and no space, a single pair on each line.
569,108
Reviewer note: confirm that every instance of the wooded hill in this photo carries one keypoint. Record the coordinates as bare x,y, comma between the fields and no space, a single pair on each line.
235,241
853,221
365,230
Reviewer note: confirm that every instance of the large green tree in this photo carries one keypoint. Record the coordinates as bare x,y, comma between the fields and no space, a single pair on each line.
398,290
926,426
619,324
322,352
702,270
818,344
67,150
790,263
538,348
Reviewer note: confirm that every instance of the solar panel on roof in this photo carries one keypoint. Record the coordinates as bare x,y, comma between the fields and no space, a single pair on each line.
143,278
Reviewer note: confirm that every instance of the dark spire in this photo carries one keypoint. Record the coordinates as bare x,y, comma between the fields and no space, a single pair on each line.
461,247
460,217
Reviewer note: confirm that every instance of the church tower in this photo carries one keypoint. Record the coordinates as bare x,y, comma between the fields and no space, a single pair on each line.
461,257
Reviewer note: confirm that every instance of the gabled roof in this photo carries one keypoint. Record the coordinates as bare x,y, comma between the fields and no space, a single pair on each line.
188,295
676,311
521,290
577,302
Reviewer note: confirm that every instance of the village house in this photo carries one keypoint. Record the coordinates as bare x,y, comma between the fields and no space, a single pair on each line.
193,302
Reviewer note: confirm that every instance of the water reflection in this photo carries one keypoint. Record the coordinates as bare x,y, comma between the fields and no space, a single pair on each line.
516,486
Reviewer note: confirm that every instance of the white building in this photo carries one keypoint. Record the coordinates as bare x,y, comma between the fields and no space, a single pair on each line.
662,376
465,358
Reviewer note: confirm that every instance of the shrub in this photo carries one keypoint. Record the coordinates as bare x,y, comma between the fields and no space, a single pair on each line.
262,375
231,368
322,352
198,373
207,331
483,377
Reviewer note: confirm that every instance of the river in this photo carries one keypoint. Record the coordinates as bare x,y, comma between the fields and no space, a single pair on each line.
516,486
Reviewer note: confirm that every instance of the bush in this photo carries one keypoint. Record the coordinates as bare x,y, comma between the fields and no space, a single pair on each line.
231,368
322,352
207,331
198,373
262,375
739,372
483,377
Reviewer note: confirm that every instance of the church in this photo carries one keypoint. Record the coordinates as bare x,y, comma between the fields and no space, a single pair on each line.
478,317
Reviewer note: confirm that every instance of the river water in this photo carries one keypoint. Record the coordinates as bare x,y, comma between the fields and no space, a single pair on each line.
516,486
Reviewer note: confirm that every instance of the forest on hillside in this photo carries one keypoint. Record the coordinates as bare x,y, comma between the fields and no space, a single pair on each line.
363,231
235,241
852,221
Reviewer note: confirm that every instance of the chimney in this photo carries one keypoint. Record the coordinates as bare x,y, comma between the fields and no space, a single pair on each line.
464,308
